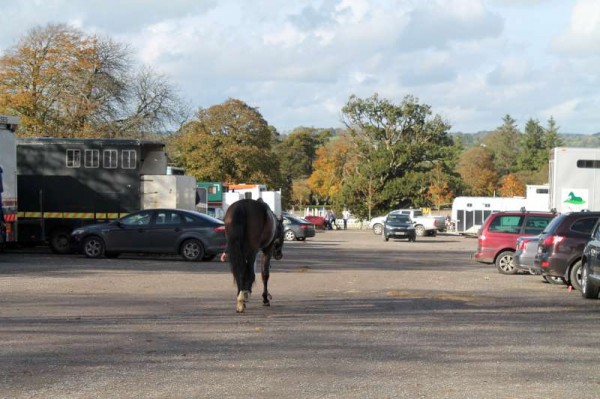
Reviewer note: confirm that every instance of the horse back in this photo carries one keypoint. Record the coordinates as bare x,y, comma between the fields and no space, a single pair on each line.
251,223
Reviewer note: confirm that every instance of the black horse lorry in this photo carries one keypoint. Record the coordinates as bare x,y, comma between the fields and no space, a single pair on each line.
64,184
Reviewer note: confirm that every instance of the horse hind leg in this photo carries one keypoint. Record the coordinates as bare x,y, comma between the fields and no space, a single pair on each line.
265,279
242,298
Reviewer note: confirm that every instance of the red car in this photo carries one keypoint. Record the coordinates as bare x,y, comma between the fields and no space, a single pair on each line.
497,238
318,221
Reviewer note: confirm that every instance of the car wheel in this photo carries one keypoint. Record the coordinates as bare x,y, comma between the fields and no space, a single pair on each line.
300,238
588,290
504,263
289,235
377,228
575,275
60,242
420,230
112,255
93,247
555,280
192,250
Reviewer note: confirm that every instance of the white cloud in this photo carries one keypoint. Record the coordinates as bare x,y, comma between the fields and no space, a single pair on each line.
473,61
582,37
562,111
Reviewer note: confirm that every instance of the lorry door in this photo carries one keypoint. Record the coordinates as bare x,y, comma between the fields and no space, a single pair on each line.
165,231
132,234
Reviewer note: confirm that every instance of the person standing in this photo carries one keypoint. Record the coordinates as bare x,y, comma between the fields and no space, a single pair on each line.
345,217
328,220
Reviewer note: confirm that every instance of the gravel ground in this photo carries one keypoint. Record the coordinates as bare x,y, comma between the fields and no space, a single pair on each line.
351,316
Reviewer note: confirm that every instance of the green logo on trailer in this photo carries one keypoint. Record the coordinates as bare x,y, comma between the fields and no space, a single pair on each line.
573,199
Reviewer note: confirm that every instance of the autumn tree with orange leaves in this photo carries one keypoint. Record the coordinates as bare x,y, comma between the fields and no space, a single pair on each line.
64,83
331,168
478,172
511,186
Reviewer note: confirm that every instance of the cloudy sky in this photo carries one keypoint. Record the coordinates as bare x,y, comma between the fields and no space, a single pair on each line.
473,61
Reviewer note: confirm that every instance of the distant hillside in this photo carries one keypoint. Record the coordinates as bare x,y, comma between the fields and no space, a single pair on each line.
569,139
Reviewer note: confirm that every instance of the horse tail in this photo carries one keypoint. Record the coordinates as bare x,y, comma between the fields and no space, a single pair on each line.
236,242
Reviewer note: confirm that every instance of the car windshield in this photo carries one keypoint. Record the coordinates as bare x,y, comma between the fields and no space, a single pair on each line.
398,218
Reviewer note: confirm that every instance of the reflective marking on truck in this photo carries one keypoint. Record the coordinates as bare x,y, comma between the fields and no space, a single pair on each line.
65,215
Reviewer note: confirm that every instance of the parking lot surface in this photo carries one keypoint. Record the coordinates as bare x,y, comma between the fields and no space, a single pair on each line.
352,316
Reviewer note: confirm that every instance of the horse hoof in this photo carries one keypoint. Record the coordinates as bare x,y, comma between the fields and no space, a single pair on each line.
266,303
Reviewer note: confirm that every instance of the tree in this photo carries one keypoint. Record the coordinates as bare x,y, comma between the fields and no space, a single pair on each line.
301,193
297,151
511,186
63,83
532,147
331,168
478,172
439,190
396,146
229,142
551,139
503,144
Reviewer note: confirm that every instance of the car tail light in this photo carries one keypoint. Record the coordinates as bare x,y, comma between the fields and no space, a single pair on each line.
545,264
304,226
552,240
522,245
220,229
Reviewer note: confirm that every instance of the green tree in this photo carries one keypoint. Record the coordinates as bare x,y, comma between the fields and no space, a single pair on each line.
551,136
503,144
396,147
532,147
229,142
297,151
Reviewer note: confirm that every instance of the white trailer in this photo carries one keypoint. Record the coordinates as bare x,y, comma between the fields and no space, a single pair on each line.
253,191
8,176
168,191
574,179
468,213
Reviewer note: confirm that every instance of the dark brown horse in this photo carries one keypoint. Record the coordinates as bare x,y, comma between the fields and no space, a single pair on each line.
251,227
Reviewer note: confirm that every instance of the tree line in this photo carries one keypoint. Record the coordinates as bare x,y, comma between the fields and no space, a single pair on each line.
64,83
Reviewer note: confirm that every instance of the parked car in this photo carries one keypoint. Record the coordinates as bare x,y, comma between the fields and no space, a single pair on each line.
525,251
524,258
295,228
561,246
193,235
424,225
590,266
497,238
399,226
318,221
